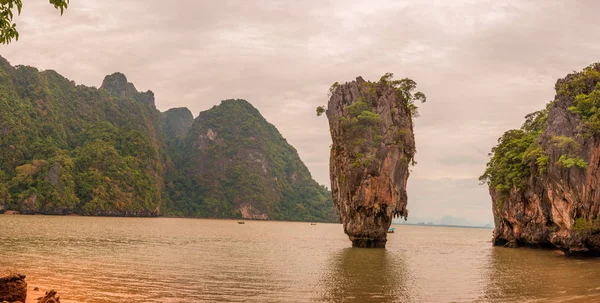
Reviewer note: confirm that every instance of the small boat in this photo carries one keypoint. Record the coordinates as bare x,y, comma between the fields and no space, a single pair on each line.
313,223
241,222
391,230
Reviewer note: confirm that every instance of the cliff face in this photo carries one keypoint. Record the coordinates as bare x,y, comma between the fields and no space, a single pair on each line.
545,178
177,122
373,146
246,169
117,85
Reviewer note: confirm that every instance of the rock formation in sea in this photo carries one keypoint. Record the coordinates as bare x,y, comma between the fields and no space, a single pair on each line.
13,288
373,148
544,179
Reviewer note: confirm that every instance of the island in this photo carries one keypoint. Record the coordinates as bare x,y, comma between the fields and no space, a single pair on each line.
544,178
373,148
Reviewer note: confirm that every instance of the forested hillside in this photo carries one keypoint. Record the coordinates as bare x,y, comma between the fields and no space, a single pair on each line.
242,167
67,148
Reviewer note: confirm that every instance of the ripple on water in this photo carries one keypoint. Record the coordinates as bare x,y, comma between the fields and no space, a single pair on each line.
186,260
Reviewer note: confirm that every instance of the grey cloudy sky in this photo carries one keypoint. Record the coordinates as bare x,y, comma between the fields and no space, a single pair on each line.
482,64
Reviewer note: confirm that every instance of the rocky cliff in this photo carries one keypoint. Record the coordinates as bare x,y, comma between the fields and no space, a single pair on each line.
373,147
177,122
244,168
544,178
117,85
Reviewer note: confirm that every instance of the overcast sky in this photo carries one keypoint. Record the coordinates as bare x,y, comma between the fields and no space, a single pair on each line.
482,64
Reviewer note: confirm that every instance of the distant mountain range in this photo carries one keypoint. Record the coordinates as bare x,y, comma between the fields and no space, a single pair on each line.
443,221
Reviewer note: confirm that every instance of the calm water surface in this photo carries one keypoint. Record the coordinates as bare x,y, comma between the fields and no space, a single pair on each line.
186,260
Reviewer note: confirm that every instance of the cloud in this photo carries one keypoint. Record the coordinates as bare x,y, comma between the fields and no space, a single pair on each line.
483,65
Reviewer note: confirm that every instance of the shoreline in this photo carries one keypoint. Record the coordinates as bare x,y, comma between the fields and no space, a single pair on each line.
167,216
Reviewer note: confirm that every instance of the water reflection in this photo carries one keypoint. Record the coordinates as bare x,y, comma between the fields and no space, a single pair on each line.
365,275
541,275
179,260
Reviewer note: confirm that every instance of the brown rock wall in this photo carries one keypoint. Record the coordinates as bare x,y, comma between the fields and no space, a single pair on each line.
370,158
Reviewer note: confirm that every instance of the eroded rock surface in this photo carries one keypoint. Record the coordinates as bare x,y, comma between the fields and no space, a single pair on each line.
49,297
13,288
554,199
373,147
243,167
118,85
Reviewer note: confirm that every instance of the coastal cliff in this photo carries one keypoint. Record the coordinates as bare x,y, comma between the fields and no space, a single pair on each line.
244,168
373,147
108,151
544,179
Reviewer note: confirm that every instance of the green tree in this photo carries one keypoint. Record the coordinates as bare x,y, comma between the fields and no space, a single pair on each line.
519,153
8,29
320,110
4,194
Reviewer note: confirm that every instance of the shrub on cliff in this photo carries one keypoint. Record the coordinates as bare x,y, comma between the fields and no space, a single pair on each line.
404,89
519,154
360,128
586,103
516,151
584,226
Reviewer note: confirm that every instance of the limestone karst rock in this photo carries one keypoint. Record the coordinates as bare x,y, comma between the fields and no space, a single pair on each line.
248,169
544,179
68,148
71,149
373,147
117,85
176,122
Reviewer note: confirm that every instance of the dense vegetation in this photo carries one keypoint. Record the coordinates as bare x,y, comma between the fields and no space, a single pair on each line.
585,88
516,151
361,126
238,159
586,227
67,148
519,153
361,129
404,89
